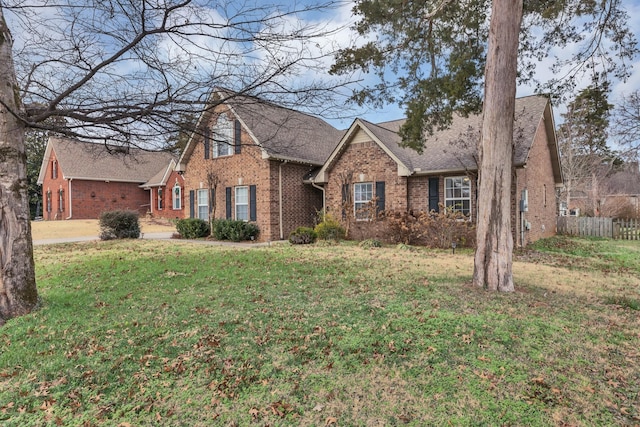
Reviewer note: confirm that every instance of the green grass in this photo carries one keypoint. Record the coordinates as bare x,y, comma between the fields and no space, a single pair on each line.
169,333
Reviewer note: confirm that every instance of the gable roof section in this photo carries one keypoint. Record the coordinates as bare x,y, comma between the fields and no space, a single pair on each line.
94,162
454,149
281,133
160,179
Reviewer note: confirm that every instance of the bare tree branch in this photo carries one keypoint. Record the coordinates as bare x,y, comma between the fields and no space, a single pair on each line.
124,70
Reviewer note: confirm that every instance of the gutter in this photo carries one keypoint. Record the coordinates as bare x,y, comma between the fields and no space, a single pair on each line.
70,201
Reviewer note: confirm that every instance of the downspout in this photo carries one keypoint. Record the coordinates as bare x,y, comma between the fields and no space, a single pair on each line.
324,198
70,201
151,201
280,198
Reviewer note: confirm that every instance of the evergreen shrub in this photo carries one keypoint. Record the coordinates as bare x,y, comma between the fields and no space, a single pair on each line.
119,224
192,228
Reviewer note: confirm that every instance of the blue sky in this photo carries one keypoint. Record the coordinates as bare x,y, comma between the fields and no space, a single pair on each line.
341,19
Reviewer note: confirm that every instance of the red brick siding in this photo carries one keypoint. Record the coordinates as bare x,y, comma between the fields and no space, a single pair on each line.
537,178
401,193
54,185
370,161
249,168
88,199
91,198
419,192
300,202
413,193
167,210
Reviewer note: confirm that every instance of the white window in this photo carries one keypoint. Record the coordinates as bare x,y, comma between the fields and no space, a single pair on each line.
222,137
242,203
457,194
160,198
177,197
362,195
203,204
563,209
61,200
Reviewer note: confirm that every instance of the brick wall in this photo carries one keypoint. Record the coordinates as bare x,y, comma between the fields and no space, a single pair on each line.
412,193
82,199
366,158
537,178
365,162
52,183
167,193
418,190
300,202
91,198
247,168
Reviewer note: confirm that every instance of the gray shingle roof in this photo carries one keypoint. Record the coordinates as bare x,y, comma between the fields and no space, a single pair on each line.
160,178
91,161
455,148
284,133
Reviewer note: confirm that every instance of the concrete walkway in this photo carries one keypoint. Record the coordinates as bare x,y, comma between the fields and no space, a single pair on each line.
155,236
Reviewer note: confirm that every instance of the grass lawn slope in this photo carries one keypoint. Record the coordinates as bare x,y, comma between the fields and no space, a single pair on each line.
168,333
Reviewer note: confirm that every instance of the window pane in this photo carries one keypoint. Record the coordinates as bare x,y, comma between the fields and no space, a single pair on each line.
362,195
242,212
242,195
177,199
223,137
242,203
203,204
458,194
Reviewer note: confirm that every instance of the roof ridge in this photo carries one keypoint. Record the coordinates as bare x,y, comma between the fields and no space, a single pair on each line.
267,102
114,147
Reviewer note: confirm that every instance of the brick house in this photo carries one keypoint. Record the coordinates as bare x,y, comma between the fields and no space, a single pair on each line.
368,165
166,192
247,161
80,180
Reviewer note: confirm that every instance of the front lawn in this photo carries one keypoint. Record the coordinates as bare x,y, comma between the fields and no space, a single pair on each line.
171,333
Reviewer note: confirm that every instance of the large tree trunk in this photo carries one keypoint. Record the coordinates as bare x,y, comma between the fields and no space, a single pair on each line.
494,255
18,293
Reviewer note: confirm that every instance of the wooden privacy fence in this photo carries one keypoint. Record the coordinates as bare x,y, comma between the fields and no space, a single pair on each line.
623,229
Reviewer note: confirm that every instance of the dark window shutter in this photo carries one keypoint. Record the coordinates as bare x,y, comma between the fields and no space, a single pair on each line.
212,199
238,139
192,202
434,196
252,203
345,199
228,201
207,144
380,196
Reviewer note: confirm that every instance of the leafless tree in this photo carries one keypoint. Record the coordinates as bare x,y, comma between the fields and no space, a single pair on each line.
128,72
625,124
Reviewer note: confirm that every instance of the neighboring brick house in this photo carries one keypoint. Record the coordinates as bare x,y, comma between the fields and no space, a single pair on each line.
247,160
616,193
166,190
368,165
80,180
